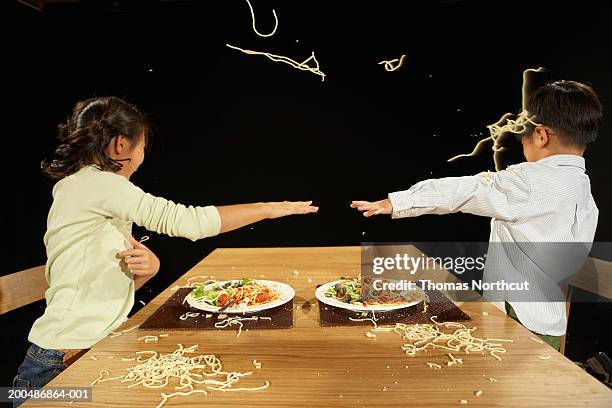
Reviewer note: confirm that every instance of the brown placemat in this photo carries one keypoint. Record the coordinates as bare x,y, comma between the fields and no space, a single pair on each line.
439,305
167,316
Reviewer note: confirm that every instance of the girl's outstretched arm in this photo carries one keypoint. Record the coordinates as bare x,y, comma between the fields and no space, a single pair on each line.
239,215
113,195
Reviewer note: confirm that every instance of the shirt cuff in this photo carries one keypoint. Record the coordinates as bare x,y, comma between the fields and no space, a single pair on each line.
402,204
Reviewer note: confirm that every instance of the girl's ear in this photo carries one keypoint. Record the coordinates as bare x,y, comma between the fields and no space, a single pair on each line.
118,147
121,144
113,147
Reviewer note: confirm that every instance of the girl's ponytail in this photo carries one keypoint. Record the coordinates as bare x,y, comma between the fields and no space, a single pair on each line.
84,137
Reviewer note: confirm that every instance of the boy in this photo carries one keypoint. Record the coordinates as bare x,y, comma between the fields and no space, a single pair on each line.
544,200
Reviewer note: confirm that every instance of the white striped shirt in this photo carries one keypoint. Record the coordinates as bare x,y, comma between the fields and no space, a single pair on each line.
548,201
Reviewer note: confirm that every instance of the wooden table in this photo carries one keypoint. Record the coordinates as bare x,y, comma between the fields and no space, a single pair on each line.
311,366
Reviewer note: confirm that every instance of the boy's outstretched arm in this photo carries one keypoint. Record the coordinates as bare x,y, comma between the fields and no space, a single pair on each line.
373,208
501,195
239,215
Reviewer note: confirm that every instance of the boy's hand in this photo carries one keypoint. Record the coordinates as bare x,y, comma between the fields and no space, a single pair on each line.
140,260
282,209
373,208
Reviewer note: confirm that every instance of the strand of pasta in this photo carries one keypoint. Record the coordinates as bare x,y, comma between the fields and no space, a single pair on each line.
165,397
192,285
372,319
188,315
279,58
102,379
389,64
253,20
94,382
505,125
454,360
116,334
425,302
149,339
369,319
266,385
109,379
234,320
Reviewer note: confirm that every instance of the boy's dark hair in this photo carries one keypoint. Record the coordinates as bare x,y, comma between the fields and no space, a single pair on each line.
570,108
88,131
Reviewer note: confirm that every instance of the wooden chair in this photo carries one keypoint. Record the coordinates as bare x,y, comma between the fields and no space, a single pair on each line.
22,288
594,277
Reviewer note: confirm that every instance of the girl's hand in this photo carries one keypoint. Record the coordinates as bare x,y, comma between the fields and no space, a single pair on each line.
373,208
282,209
140,260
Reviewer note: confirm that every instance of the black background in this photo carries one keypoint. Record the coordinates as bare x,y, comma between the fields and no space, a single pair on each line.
233,128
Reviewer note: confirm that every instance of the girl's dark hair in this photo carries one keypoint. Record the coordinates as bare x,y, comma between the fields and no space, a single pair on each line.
570,108
83,138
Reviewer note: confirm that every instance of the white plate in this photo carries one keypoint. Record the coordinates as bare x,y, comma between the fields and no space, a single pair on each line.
286,293
331,301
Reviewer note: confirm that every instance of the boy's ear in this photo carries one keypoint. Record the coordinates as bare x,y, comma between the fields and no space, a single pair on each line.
541,136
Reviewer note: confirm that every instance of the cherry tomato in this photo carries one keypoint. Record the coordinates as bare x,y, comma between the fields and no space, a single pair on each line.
222,299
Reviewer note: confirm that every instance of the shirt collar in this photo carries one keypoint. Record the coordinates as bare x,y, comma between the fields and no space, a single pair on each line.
565,160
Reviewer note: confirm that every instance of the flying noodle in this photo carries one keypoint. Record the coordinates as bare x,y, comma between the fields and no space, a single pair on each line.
389,64
505,125
253,20
279,58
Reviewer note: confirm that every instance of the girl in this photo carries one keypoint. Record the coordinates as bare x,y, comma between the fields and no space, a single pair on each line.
94,265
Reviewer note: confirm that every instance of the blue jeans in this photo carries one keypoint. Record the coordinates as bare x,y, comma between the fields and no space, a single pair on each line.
38,368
